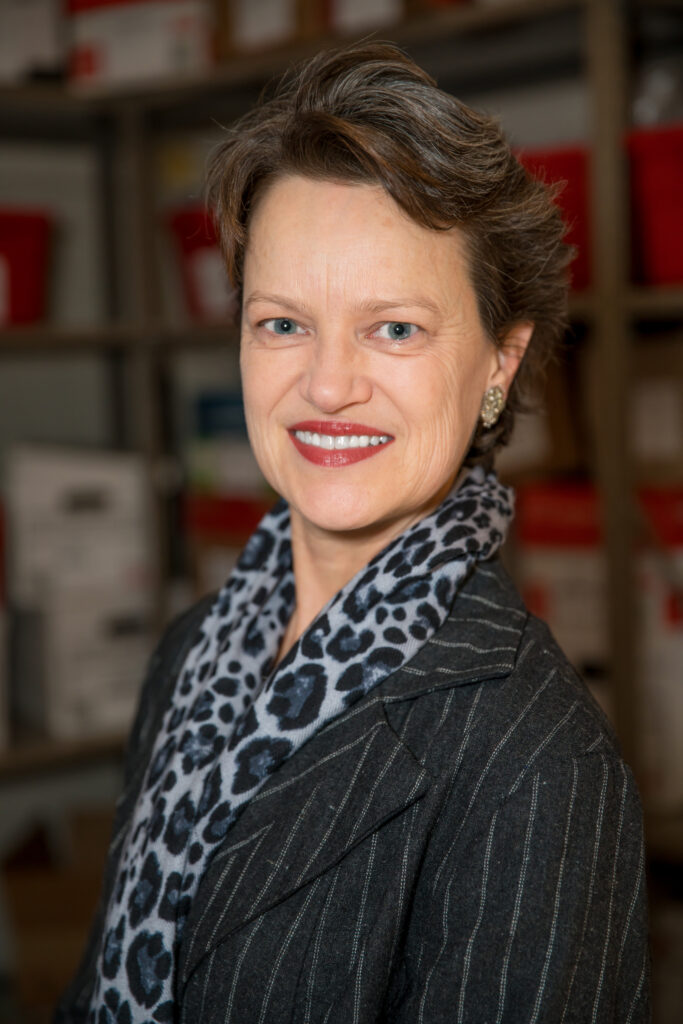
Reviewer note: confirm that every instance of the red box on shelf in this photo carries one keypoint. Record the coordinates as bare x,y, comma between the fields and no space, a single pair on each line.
568,164
227,517
24,238
207,289
656,156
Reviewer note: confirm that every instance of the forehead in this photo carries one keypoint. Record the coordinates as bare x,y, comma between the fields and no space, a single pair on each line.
302,226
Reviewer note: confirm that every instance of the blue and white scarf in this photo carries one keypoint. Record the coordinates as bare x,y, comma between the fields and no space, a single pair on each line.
233,720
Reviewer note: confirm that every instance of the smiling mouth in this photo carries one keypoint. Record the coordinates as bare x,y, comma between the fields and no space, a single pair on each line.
334,445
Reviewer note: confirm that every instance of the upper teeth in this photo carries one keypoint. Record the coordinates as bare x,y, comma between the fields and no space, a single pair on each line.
331,441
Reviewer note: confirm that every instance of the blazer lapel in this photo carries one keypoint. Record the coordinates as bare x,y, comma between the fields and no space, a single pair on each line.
351,777
339,787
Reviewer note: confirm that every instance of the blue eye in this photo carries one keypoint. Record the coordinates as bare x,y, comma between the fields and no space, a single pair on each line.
283,326
397,330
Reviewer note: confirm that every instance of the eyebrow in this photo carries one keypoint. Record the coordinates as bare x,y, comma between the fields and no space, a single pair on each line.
367,306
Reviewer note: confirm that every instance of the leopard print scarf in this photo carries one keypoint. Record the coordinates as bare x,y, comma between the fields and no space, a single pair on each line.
234,718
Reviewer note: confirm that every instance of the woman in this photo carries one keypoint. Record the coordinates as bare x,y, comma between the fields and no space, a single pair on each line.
364,784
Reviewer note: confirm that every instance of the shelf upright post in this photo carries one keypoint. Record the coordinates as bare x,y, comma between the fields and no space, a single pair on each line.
140,305
608,57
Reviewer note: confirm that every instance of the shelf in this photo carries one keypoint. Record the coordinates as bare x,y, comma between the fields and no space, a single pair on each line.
58,340
37,756
259,67
642,303
656,303
664,837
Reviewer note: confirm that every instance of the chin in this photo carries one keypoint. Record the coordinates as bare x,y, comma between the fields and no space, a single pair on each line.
342,510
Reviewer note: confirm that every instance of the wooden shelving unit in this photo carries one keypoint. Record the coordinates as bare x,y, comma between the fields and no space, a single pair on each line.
34,757
122,124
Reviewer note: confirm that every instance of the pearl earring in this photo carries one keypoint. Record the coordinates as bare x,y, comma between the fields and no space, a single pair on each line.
492,405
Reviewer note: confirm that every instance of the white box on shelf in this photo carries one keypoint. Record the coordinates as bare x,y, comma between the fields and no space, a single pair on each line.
260,23
224,466
119,41
75,515
96,642
660,589
30,37
358,15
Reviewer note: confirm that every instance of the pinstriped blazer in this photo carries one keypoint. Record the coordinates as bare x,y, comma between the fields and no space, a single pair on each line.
464,844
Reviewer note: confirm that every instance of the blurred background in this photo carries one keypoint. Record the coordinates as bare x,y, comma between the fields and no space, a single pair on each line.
126,482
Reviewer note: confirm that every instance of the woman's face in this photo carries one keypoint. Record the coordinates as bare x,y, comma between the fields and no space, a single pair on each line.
363,358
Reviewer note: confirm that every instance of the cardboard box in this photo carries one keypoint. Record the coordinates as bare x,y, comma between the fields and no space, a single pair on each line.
75,515
243,26
121,41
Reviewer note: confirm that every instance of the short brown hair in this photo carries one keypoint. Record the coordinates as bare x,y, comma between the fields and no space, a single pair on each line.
367,113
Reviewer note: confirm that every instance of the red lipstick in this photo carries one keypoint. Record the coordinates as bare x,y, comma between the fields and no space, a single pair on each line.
359,447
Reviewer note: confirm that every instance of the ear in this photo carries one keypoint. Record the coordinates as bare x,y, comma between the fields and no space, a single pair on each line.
509,355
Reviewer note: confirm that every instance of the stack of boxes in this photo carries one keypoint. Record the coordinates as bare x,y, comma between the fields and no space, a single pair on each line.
562,573
80,585
227,494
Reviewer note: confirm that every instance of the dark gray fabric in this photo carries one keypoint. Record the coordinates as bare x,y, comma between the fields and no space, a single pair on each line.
464,845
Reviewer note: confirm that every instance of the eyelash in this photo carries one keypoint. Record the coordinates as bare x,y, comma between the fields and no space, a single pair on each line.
375,333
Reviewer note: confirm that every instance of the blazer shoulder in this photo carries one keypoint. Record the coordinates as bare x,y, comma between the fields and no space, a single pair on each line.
493,694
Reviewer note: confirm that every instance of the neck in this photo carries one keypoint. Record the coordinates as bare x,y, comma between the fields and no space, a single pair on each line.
324,562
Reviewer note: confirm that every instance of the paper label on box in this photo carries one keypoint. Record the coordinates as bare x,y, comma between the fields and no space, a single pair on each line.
263,22
658,419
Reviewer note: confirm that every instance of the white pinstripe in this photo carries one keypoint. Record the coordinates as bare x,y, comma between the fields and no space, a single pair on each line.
591,883
316,948
553,732
466,645
558,890
521,881
402,882
608,933
629,916
444,714
229,899
638,990
245,949
283,850
335,819
363,898
498,626
462,596
285,946
207,976
492,757
473,936
385,768
357,991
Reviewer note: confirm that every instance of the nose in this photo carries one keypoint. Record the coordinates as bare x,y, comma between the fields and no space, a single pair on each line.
335,376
